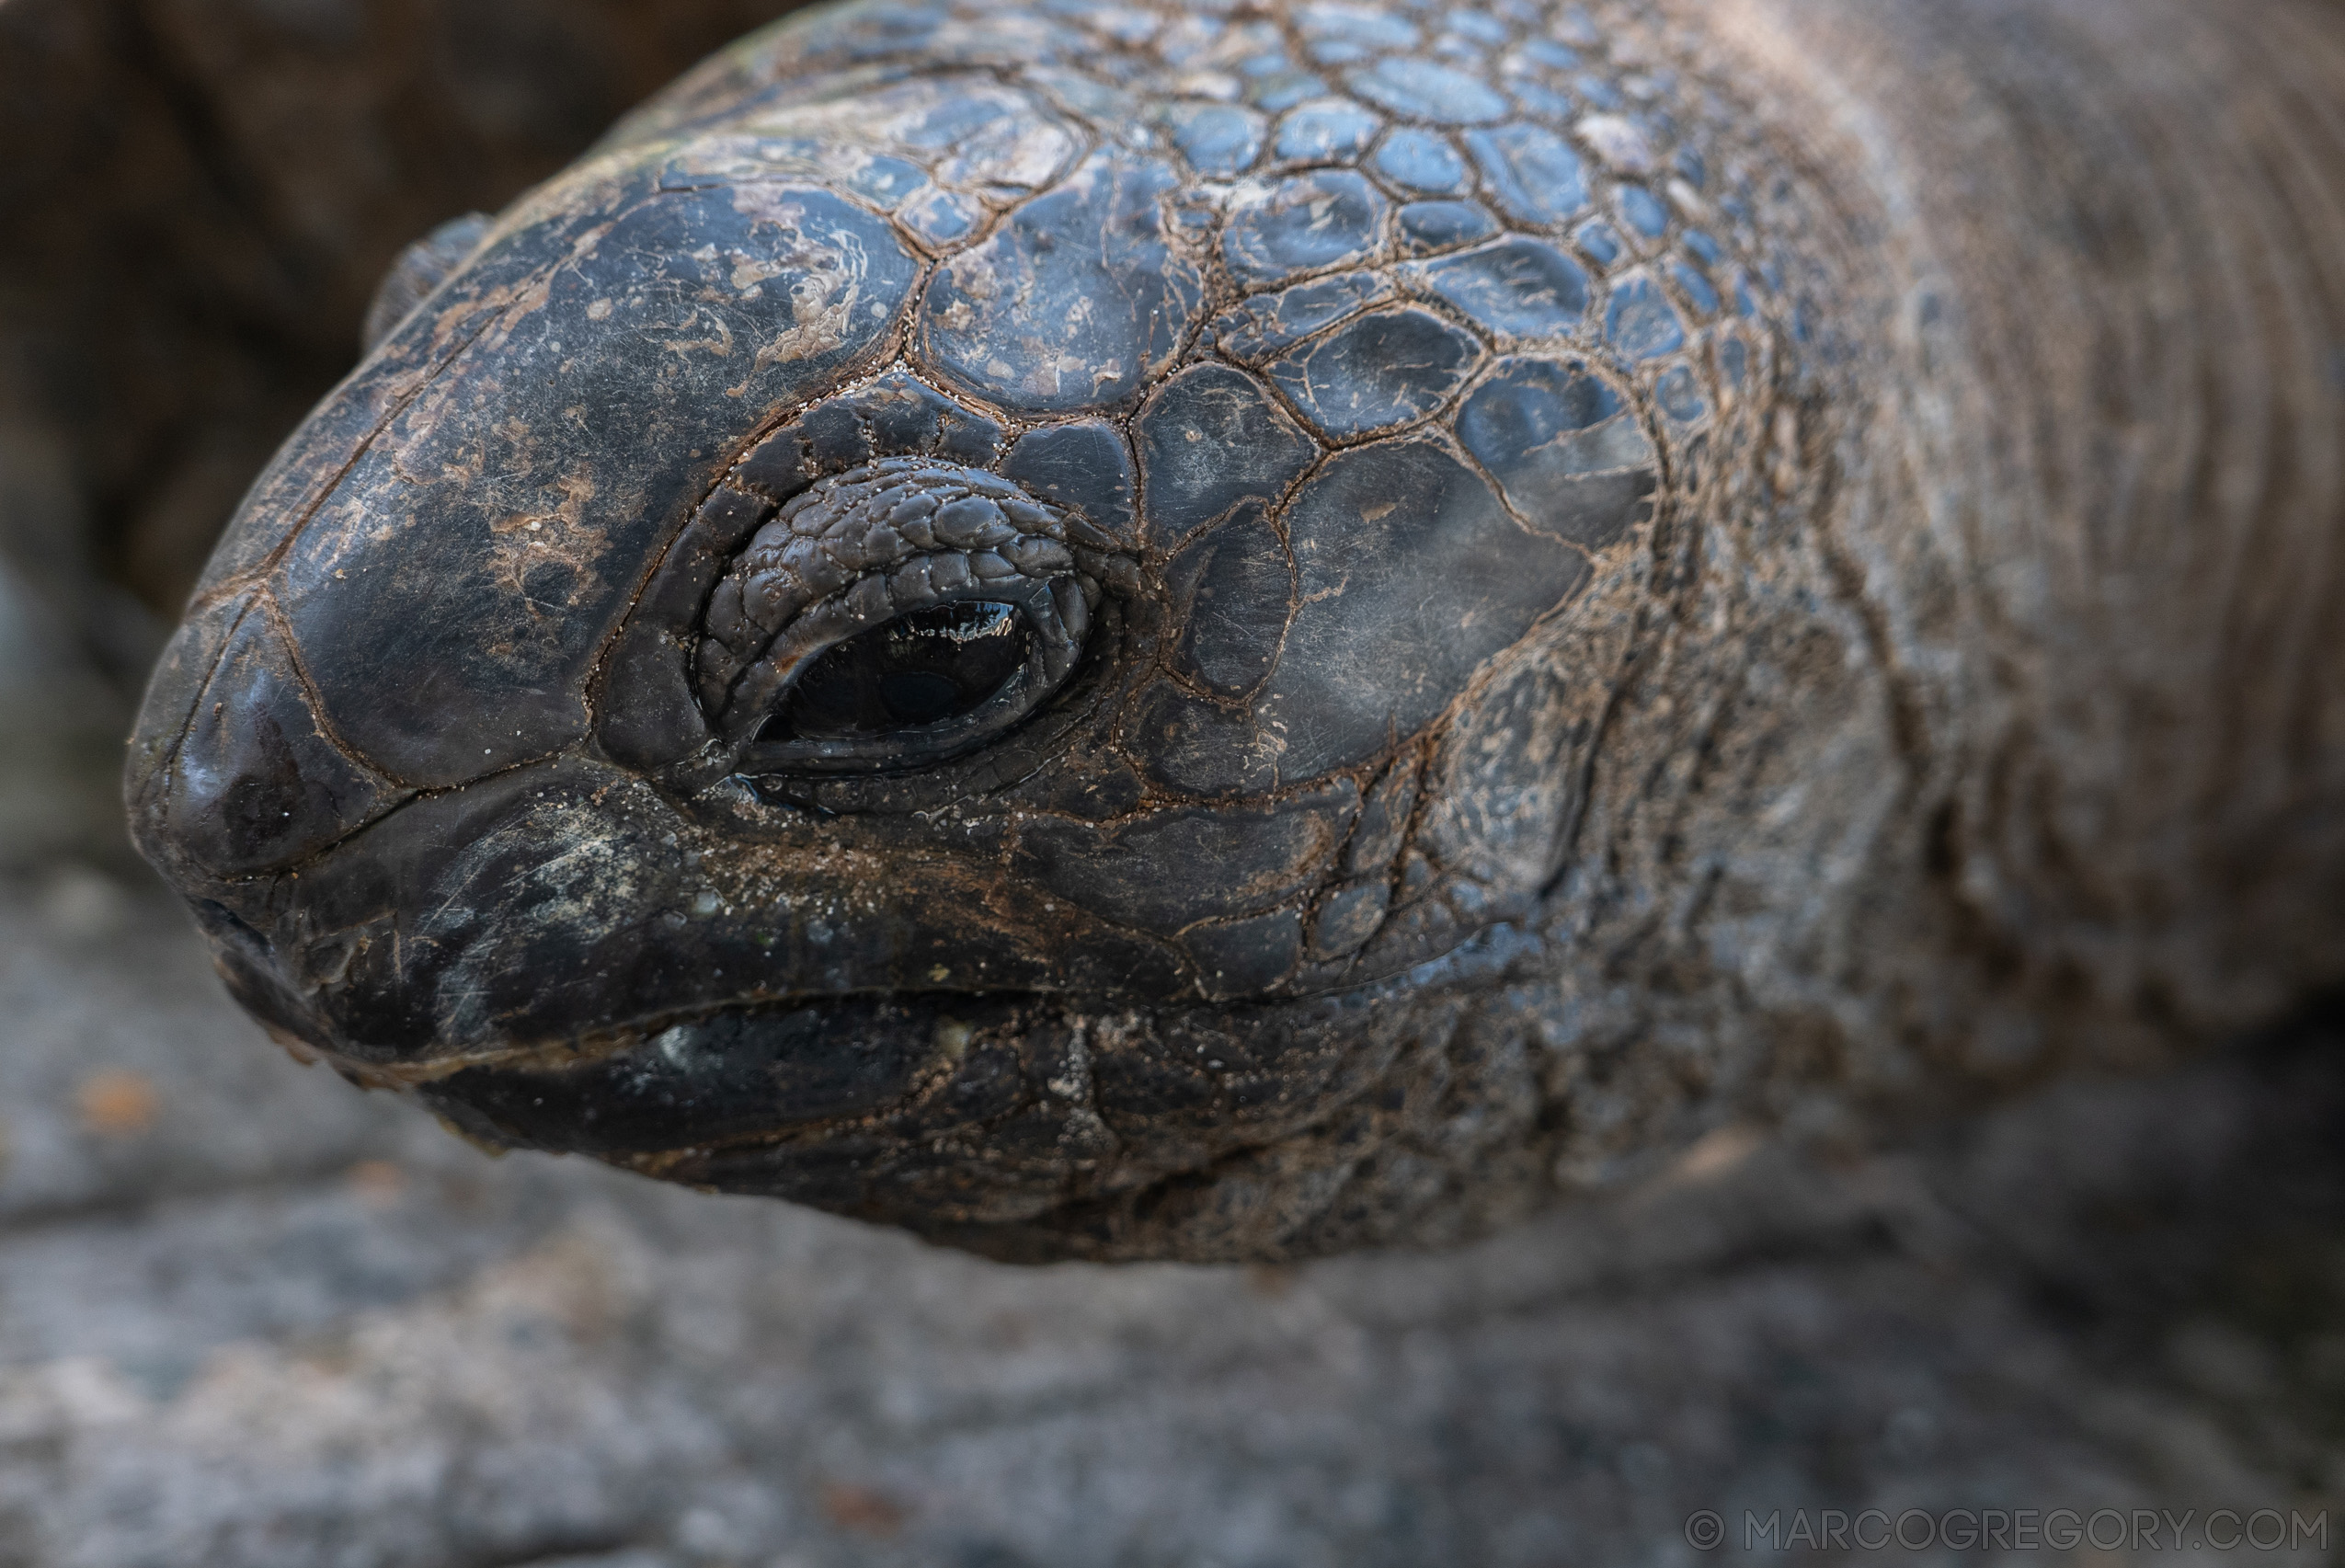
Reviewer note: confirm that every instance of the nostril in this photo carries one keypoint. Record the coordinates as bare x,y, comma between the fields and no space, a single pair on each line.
247,963
228,928
257,783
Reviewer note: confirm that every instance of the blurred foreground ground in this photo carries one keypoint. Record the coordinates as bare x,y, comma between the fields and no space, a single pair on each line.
250,1317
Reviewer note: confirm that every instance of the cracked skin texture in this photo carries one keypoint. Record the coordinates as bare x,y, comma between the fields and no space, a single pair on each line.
1586,573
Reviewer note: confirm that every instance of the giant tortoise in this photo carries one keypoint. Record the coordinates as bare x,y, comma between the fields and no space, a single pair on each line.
1234,628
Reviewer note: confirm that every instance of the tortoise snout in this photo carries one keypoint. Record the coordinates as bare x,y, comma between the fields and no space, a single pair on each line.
251,779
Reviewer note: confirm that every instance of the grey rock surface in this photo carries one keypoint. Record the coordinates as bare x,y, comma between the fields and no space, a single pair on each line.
251,1317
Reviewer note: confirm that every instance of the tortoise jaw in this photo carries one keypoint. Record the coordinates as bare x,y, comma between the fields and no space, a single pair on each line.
719,1078
923,1109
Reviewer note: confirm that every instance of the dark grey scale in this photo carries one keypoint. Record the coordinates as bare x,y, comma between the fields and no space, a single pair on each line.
1246,956
1210,438
949,124
1598,242
1325,129
1245,39
1276,87
1734,357
885,181
1264,324
1417,879
1639,320
1678,394
1341,34
1095,786
1517,287
651,698
1422,161
1160,871
1216,139
905,417
180,681
1424,89
1348,917
495,678
256,785
877,178
1565,447
1533,175
1129,28
1598,92
1574,27
1695,289
1092,95
1083,279
1170,1074
835,438
1230,590
1325,218
1086,468
896,413
1399,602
1427,227
1198,745
1642,210
1535,98
1478,27
1383,824
781,465
1377,371
1547,52
940,218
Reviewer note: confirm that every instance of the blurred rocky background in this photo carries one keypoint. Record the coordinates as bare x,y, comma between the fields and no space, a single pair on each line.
250,1317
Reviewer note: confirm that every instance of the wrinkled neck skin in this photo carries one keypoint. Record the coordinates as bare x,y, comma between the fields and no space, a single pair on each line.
1934,687
2084,493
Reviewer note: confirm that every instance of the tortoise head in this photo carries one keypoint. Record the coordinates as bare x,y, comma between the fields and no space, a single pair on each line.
909,646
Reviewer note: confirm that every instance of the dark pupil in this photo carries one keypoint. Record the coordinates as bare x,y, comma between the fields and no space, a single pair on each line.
918,669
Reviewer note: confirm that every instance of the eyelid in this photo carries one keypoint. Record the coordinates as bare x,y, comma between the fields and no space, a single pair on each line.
846,615
865,549
879,540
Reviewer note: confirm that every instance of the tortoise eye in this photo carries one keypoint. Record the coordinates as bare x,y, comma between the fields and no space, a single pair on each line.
891,618
922,670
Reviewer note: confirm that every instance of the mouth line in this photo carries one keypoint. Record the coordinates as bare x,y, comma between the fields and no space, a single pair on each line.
558,1053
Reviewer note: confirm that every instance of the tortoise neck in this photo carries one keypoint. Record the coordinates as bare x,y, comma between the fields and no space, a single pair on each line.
2090,476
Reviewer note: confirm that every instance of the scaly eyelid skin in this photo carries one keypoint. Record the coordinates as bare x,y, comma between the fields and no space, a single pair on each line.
862,550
